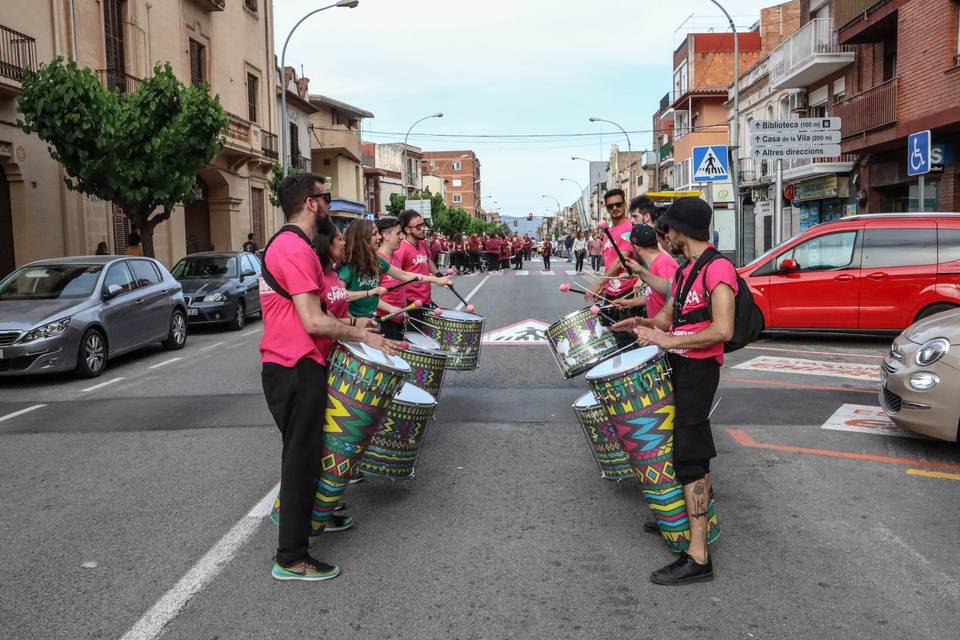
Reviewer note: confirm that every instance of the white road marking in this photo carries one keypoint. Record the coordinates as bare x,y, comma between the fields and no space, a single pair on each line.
164,363
815,353
547,273
570,272
523,272
861,418
211,346
470,295
168,607
21,412
774,364
526,333
102,384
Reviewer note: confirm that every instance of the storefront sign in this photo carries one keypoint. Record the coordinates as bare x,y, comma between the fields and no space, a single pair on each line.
821,188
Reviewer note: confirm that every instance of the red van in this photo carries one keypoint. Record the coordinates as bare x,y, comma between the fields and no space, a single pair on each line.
869,273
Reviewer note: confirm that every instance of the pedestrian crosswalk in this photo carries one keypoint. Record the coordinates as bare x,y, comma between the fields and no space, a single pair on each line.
525,272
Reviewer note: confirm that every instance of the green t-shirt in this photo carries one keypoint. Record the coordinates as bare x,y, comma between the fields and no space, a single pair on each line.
363,307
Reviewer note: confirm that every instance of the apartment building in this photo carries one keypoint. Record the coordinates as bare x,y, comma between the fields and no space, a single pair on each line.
906,79
461,170
404,159
229,45
378,183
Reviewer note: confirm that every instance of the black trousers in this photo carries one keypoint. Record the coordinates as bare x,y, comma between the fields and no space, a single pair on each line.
595,262
546,262
297,399
392,330
695,383
580,255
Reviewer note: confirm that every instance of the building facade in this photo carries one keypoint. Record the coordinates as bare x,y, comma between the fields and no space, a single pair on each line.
403,159
461,170
229,45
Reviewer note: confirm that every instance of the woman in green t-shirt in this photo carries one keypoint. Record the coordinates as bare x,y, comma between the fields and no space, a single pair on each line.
362,269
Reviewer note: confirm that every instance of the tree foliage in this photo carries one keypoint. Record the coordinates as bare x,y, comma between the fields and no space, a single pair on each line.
276,177
141,150
445,220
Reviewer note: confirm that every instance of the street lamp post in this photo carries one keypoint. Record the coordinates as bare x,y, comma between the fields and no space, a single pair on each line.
590,176
583,220
629,149
406,137
735,148
284,124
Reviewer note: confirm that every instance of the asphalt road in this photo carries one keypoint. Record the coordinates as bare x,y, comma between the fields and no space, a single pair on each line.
124,495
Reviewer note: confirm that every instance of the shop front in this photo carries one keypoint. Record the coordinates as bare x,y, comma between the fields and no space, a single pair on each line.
820,200
343,212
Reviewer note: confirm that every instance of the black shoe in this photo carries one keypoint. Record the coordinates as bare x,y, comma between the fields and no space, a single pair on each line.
685,570
651,526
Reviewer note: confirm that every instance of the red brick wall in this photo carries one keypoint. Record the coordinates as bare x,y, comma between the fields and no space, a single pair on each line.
927,44
777,23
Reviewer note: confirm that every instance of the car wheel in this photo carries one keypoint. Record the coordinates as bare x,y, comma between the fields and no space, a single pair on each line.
239,317
177,338
934,309
92,358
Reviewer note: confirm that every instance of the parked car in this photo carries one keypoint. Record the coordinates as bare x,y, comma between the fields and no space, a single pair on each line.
221,287
868,273
921,377
76,313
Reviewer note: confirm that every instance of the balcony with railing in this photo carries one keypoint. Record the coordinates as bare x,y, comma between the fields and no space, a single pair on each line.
211,5
115,80
18,52
810,54
755,170
869,110
803,168
269,145
300,162
846,11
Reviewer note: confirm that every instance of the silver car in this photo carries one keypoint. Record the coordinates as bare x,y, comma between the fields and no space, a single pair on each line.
74,313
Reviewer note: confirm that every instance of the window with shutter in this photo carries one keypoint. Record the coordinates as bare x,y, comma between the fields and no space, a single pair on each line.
113,44
294,143
257,221
252,95
251,5
198,63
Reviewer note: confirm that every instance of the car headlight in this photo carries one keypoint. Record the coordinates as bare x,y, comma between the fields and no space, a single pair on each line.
931,351
50,330
215,297
924,381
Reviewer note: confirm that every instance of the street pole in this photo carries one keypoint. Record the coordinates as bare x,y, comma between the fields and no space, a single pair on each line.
735,134
921,183
778,205
583,214
406,137
629,150
284,123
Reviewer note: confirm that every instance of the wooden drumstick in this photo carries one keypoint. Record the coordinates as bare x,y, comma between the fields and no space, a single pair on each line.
466,305
416,304
566,287
400,284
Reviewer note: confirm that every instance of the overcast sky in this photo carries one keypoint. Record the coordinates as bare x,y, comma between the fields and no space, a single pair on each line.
500,67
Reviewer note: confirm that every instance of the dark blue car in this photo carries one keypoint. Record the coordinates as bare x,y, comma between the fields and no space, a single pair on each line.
220,287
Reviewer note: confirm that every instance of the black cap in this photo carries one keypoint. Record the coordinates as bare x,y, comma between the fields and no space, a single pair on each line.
690,216
644,236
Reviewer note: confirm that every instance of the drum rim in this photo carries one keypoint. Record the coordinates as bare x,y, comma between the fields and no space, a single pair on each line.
570,315
407,403
479,318
596,403
620,374
389,366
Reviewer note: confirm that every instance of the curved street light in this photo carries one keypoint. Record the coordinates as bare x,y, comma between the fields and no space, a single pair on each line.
580,200
284,123
629,147
439,114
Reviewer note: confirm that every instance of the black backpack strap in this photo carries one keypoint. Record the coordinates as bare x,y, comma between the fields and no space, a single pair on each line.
684,286
268,277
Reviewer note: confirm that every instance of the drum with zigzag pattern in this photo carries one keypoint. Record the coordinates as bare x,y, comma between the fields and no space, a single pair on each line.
395,447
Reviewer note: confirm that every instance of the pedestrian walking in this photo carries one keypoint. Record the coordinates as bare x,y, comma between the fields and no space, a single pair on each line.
568,246
297,335
693,330
579,251
547,250
595,249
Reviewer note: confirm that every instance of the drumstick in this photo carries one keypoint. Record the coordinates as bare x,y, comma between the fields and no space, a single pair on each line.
595,310
566,288
605,226
416,304
400,284
466,306
714,407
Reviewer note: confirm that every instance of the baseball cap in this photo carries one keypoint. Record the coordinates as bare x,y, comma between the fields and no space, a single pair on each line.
643,235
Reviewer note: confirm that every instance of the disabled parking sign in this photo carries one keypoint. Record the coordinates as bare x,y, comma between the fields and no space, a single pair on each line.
918,153
711,164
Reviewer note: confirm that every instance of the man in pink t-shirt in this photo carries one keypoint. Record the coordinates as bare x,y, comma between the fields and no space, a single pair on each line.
413,256
293,351
693,333
616,282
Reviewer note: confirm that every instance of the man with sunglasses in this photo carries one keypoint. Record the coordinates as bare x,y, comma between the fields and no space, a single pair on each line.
413,256
616,283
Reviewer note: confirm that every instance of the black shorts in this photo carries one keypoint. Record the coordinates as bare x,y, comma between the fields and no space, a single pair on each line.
695,383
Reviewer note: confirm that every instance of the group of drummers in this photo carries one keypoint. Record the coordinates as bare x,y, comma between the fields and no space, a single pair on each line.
666,290
470,253
334,309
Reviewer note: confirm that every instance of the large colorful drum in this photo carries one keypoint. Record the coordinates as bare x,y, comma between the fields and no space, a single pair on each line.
427,362
393,451
602,437
635,390
458,333
578,342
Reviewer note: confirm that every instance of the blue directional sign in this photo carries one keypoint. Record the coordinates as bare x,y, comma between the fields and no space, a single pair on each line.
711,164
918,153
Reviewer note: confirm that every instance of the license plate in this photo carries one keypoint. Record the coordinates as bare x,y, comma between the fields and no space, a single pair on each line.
192,312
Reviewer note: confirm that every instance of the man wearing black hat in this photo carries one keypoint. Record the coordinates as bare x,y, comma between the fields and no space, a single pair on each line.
693,332
655,269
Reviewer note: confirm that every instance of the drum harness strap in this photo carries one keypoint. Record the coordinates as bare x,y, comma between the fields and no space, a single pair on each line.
268,277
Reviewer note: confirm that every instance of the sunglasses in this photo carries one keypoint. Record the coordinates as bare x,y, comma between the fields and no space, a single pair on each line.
326,197
418,227
614,205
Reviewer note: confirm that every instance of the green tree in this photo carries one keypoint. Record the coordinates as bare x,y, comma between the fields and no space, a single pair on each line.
141,150
396,205
276,177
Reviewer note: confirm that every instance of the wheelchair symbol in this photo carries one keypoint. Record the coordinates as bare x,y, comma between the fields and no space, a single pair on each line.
917,159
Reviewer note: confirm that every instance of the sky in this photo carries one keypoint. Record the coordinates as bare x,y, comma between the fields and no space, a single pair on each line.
503,68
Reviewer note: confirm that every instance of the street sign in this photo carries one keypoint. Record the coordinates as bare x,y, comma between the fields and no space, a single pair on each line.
711,164
807,151
780,139
794,125
423,207
918,153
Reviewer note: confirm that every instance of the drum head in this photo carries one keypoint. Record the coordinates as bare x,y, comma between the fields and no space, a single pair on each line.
586,401
622,363
377,357
422,342
463,316
414,395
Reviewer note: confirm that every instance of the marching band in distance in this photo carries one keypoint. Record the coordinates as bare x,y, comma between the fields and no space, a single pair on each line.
354,354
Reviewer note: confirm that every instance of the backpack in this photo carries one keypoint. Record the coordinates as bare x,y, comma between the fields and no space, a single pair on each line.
747,319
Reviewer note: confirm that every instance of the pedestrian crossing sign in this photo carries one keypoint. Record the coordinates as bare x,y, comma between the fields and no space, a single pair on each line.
711,164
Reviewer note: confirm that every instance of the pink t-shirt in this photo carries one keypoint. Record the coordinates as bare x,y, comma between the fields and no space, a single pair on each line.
414,259
397,297
720,271
338,305
616,287
296,267
663,266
